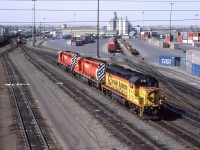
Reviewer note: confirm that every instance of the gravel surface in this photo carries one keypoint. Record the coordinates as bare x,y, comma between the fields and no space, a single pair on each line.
161,138
8,136
140,124
71,124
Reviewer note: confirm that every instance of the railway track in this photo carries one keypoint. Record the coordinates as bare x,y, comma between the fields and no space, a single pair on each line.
178,94
168,127
123,130
32,132
174,85
179,134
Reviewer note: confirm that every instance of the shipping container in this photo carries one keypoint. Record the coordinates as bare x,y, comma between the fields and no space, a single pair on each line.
189,54
174,45
1,39
167,38
195,38
175,38
183,63
188,66
185,41
78,42
196,44
180,38
190,41
196,70
185,36
193,56
190,34
169,61
163,44
196,58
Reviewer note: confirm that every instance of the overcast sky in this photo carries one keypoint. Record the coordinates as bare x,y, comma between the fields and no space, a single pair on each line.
85,12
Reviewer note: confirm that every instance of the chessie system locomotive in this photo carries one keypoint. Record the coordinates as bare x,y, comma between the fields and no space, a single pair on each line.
135,90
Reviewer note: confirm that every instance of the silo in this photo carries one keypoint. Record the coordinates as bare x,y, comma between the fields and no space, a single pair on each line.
120,26
64,26
125,26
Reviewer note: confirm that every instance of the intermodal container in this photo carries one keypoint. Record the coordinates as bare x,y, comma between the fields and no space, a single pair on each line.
185,36
185,41
190,34
175,38
190,54
167,38
196,44
169,61
183,63
180,38
196,58
196,70
188,66
174,45
190,41
1,38
163,44
78,42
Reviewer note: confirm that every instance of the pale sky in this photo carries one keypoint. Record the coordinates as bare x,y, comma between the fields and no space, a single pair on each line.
85,12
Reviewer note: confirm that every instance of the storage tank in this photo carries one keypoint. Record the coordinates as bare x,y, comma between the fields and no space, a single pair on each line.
125,26
64,26
120,26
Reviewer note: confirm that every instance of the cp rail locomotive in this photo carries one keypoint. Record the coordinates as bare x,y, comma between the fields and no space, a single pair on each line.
137,91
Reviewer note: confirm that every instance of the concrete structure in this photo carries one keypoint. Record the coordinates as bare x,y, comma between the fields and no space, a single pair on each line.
121,26
64,26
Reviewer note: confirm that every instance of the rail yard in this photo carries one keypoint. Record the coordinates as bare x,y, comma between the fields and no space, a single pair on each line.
101,117
115,75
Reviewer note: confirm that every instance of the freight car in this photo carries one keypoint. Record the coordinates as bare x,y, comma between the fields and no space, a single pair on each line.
135,90
111,46
4,38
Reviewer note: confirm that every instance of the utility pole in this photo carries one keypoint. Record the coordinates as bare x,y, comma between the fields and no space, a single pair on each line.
98,29
34,29
40,30
74,23
170,19
196,15
44,25
143,18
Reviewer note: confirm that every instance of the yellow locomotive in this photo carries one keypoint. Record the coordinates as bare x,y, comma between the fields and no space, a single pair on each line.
135,90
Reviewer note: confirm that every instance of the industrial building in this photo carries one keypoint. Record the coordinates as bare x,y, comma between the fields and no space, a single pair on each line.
118,26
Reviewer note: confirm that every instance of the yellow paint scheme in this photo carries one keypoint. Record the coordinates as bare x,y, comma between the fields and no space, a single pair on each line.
137,96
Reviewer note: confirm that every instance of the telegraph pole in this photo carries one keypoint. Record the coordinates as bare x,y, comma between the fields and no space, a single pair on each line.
34,29
196,15
40,30
170,19
143,18
98,29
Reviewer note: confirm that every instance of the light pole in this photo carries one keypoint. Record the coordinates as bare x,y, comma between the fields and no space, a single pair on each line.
34,29
98,29
40,30
74,23
170,19
74,19
196,15
44,25
143,17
